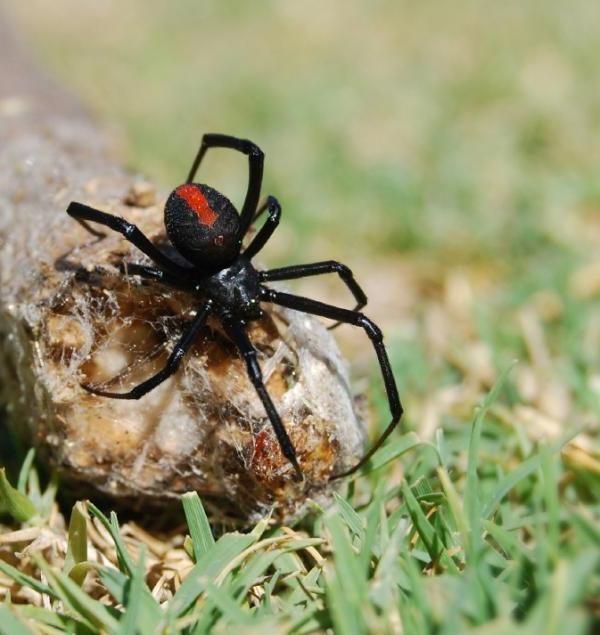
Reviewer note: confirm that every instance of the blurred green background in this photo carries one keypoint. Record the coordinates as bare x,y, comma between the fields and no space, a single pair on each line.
466,129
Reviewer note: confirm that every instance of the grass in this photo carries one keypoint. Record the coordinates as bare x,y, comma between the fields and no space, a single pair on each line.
435,541
451,148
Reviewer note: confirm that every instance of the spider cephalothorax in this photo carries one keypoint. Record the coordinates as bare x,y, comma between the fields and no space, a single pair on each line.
207,231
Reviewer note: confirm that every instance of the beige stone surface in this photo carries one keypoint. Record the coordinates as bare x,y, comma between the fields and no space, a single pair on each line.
67,315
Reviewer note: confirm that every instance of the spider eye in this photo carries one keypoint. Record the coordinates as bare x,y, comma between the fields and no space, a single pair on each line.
219,240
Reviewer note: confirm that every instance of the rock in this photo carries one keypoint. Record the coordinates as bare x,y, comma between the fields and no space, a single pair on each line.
68,315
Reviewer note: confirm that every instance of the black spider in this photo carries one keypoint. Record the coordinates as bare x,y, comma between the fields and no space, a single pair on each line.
206,229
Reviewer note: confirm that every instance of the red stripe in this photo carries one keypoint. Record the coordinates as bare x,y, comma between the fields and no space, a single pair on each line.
197,203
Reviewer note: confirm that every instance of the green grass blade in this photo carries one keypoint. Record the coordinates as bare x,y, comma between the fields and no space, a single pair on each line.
24,471
76,543
198,524
14,502
454,504
346,616
350,517
252,571
587,527
584,581
346,583
426,531
55,621
347,564
393,450
117,584
208,567
46,500
26,580
383,585
10,624
90,611
518,474
112,526
415,607
508,541
228,606
440,444
202,619
550,494
133,604
472,494
372,522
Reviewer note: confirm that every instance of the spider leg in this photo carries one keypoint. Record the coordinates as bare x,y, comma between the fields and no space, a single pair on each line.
239,337
266,231
356,318
261,208
131,232
90,229
255,163
180,349
316,269
152,273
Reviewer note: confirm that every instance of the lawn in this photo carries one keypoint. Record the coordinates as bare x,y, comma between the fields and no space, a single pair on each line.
447,153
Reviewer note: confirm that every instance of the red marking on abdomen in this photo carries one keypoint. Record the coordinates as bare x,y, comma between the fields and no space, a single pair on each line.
198,203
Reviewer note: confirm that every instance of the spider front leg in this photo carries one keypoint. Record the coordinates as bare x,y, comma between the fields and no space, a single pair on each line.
129,231
94,232
255,163
239,337
266,231
152,273
317,269
177,354
259,211
356,318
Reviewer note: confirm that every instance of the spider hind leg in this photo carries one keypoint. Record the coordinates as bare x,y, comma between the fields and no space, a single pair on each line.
239,337
316,269
255,168
84,213
181,348
355,318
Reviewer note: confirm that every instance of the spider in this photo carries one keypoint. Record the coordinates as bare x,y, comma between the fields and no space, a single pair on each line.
205,228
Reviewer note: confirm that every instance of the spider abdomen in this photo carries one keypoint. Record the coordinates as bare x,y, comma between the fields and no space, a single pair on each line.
203,225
